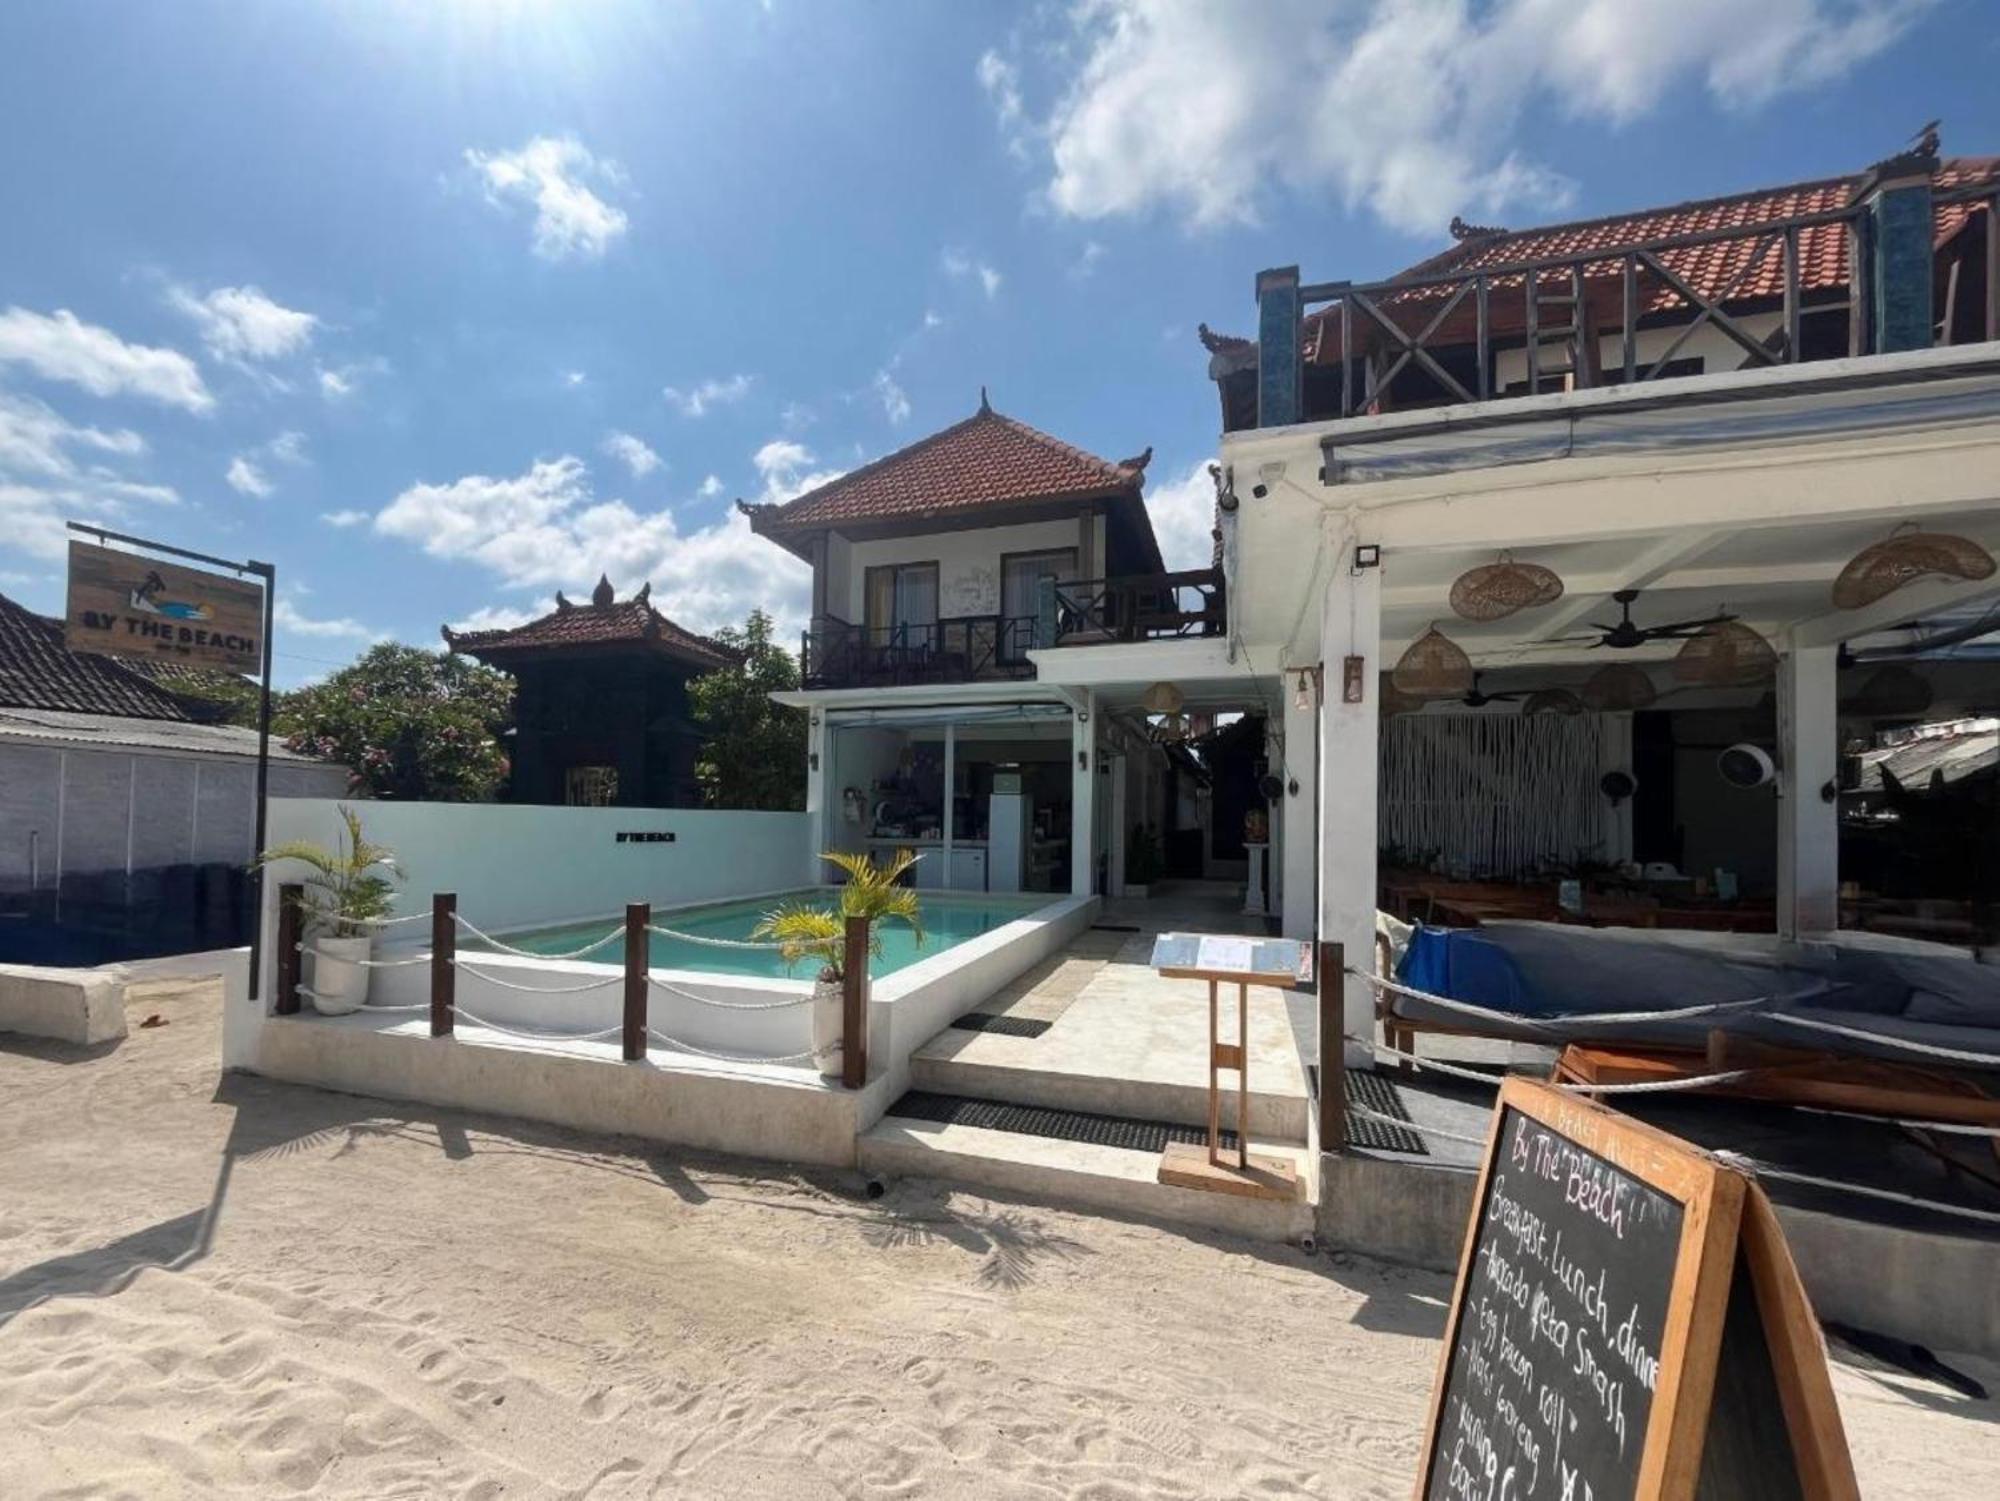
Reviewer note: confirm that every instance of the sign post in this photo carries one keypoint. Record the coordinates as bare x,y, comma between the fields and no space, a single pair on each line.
124,605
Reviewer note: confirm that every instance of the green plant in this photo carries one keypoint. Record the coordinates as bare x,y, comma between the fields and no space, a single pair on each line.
873,891
753,752
1144,864
347,888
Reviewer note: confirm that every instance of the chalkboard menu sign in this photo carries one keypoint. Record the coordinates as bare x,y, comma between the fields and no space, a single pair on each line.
1603,1302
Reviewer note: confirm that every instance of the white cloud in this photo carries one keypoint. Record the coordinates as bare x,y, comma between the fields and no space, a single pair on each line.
895,400
1001,80
710,487
245,478
633,452
574,377
786,468
345,518
60,346
698,400
933,318
52,470
553,174
242,324
287,617
961,265
1086,260
334,384
547,527
288,447
1183,513
1404,108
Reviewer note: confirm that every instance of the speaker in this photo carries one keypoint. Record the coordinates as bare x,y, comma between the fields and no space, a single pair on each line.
1747,766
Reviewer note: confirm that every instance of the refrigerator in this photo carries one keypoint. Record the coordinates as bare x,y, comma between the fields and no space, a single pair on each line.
1010,830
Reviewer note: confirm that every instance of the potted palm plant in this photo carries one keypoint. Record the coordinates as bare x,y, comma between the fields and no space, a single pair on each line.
346,889
874,890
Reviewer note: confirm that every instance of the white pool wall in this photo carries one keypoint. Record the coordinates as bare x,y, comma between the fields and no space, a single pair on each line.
512,867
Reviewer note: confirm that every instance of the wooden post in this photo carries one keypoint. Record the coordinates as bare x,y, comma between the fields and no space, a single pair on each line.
638,917
1332,1049
444,961
854,1005
287,959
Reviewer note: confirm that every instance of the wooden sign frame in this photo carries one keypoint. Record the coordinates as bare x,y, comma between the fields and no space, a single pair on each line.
1720,1210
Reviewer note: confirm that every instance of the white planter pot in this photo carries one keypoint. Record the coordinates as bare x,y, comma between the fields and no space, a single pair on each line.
827,1005
339,977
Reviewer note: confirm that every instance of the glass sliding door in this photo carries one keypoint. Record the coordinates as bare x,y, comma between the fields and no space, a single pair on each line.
902,606
1021,576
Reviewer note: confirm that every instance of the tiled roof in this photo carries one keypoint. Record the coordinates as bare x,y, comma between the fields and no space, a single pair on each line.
1708,269
986,460
603,622
38,672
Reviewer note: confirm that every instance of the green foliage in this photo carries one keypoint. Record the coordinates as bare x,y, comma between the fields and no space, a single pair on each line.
347,885
413,724
218,697
754,753
873,891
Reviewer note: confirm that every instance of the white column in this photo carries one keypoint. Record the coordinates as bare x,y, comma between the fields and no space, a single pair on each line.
1808,823
1350,625
1297,819
819,769
1083,798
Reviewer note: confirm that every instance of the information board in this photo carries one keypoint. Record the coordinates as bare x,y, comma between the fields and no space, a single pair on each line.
1627,1324
125,605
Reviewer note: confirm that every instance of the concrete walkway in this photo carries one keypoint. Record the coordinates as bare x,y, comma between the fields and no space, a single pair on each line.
1124,1041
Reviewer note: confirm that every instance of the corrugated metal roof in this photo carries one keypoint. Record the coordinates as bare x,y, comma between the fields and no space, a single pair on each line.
122,732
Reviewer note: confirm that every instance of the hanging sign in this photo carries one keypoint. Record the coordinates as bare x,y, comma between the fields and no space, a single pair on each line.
125,605
1627,1323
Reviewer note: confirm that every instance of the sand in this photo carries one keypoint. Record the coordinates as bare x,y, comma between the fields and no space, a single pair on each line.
220,1286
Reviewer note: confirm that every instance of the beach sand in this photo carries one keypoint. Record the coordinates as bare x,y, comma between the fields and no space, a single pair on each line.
220,1286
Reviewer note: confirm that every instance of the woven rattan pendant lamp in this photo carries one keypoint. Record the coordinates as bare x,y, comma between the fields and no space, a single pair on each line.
1890,692
1395,701
1904,556
1433,667
1727,654
1552,701
1493,591
1617,688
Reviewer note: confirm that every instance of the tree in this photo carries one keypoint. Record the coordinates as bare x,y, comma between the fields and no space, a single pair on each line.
414,725
754,755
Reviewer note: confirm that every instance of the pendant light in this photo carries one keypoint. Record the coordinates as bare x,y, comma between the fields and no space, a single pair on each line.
1493,591
1618,688
1433,667
1726,654
1552,701
1904,556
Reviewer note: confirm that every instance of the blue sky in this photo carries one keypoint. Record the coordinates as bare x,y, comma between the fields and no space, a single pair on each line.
442,307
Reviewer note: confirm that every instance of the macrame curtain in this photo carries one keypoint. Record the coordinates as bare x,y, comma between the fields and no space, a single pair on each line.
1492,794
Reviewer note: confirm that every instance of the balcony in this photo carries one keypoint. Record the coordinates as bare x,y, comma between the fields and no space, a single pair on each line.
836,653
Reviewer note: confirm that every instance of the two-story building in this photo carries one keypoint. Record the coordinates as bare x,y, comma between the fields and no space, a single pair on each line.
989,613
1540,528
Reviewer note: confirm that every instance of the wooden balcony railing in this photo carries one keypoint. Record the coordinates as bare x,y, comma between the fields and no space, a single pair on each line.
836,653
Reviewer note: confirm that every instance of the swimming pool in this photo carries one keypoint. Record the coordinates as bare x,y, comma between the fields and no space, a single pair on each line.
949,918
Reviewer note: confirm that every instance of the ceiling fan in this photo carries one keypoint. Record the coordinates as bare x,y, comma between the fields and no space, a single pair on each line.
1624,636
1476,699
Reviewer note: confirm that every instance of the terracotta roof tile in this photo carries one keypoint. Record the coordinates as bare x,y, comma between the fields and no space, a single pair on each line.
38,672
1709,269
986,460
602,623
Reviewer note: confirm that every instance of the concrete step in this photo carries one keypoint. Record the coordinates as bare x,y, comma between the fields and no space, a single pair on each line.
1079,1173
1273,1116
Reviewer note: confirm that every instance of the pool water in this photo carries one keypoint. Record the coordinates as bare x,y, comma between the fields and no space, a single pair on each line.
949,919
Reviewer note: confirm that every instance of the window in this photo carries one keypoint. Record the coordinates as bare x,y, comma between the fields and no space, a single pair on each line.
590,786
902,604
1021,576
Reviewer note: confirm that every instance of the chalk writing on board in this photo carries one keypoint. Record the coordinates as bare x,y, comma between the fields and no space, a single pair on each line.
1556,1355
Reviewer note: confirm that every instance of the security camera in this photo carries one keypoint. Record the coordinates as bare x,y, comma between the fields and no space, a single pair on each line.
1747,766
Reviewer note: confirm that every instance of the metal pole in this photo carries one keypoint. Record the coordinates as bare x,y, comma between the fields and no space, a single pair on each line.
269,575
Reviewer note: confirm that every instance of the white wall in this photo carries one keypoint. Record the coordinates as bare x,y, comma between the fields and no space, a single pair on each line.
968,563
510,865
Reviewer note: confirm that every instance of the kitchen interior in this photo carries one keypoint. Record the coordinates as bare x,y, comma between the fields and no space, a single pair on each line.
985,799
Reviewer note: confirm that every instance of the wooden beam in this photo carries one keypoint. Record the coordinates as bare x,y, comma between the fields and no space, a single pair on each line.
287,960
854,1004
444,961
638,918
